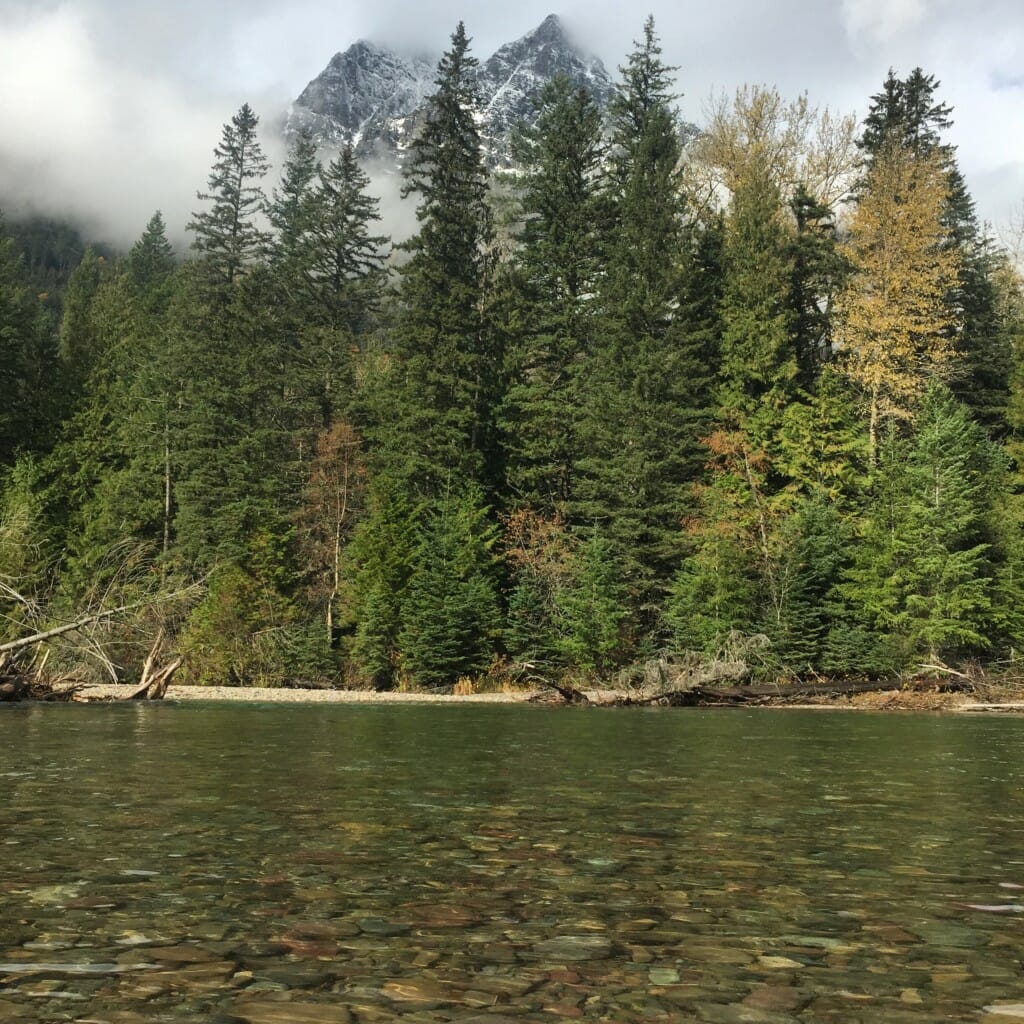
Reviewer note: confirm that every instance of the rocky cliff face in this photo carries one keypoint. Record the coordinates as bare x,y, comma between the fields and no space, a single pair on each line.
374,98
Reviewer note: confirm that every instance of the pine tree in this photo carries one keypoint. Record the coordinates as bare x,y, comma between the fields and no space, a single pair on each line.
921,581
380,558
289,210
346,261
30,409
816,277
80,349
592,608
759,364
151,259
227,233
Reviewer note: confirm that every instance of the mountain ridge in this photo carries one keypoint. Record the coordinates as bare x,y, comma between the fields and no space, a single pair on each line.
373,98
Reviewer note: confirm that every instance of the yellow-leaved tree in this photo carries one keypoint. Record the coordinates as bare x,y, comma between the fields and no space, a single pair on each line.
895,325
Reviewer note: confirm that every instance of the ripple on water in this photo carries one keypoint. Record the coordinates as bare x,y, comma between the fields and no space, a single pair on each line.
350,864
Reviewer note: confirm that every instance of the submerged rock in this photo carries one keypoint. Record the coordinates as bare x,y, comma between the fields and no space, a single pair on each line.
289,1013
575,948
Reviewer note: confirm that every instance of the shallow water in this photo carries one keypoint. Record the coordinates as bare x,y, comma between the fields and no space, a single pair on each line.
352,863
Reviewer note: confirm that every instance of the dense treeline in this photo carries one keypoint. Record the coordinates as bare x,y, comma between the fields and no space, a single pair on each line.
768,385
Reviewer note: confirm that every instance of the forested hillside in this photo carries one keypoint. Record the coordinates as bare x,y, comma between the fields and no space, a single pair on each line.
761,392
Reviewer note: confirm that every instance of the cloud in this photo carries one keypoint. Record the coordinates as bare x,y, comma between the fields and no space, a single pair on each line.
85,138
110,109
882,20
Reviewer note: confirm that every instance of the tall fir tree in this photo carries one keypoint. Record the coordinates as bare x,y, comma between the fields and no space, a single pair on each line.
559,265
435,418
228,234
644,391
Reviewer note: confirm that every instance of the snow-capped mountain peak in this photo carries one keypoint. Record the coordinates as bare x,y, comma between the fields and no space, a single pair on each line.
373,98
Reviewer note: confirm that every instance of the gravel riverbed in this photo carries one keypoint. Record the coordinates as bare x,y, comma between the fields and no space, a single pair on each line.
295,696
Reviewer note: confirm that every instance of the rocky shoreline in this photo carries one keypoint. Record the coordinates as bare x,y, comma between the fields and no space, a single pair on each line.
288,695
882,700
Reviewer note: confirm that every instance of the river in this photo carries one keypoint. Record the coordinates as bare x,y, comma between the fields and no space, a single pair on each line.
337,864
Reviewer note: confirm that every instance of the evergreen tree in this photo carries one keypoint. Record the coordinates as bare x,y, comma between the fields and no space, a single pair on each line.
344,278
816,276
346,261
644,391
450,614
30,408
921,582
592,608
759,366
381,557
79,349
438,422
559,266
289,211
151,259
227,233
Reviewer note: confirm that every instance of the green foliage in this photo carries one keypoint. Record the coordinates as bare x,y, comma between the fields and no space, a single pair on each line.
381,556
559,267
438,422
592,609
816,275
24,552
759,364
644,389
242,634
227,233
922,574
27,361
450,614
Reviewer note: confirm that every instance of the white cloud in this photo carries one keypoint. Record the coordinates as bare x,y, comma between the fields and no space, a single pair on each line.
882,20
110,109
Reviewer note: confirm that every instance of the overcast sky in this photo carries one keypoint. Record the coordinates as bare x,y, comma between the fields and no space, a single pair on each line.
110,109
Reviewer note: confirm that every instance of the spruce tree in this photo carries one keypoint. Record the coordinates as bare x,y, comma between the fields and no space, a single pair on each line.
380,560
151,259
817,273
759,366
346,260
30,410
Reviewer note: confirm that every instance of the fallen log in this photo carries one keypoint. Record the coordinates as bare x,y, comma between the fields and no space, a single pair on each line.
739,696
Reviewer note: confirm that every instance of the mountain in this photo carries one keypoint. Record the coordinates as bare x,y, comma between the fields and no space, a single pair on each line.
374,98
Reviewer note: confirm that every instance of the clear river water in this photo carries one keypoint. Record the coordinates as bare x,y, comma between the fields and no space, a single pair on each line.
333,864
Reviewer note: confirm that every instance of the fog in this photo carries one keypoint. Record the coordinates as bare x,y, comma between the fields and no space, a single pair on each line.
110,109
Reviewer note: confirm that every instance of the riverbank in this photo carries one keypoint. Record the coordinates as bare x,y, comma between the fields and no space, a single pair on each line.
879,700
282,695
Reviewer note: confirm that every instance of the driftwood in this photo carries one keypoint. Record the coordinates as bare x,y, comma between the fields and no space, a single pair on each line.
738,696
16,684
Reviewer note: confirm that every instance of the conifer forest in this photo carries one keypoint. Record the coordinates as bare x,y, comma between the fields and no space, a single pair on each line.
757,390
